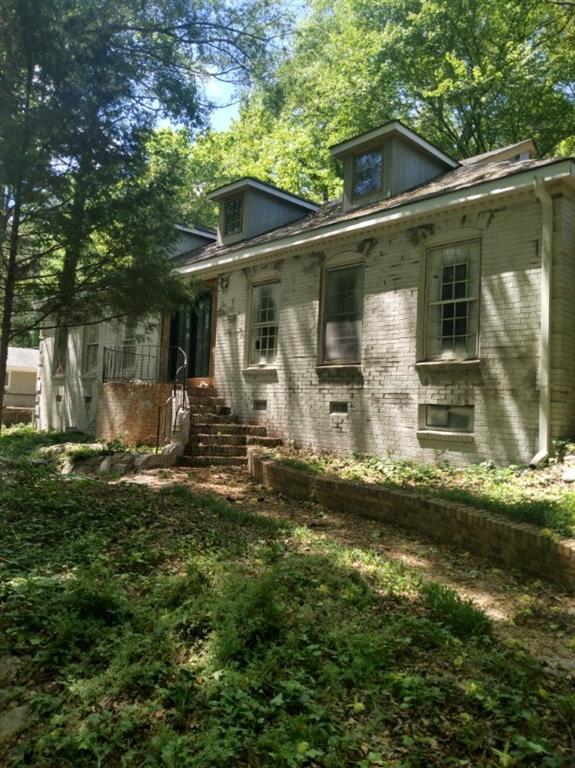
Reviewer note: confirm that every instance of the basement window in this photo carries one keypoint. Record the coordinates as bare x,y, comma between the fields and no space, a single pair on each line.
260,405
449,418
337,406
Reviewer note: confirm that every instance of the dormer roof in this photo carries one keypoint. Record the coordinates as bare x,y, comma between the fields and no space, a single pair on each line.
250,182
521,150
207,233
394,128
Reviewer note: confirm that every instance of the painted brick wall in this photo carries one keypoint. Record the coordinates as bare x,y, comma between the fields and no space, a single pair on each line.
384,395
130,410
71,401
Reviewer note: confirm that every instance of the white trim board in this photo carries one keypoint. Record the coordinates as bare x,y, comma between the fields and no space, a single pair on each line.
564,169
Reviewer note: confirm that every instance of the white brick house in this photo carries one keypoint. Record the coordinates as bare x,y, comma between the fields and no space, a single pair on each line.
429,314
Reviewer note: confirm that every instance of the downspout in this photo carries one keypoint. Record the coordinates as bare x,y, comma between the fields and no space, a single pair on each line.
545,334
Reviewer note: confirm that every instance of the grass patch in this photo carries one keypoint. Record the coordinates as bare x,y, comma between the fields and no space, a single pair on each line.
537,497
166,628
22,441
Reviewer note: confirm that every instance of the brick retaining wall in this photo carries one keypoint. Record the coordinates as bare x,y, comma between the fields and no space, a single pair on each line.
128,410
507,543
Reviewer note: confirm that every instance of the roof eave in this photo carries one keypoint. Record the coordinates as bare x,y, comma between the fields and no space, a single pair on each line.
555,171
248,183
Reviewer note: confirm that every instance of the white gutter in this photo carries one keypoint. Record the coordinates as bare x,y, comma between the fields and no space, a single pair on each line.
545,446
398,214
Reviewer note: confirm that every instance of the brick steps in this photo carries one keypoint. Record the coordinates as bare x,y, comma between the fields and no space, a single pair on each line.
209,439
216,437
226,428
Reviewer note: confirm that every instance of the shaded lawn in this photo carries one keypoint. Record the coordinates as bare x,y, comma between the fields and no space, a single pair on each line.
165,628
530,496
24,442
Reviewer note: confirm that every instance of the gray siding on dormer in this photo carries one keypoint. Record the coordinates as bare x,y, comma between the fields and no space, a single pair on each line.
265,212
408,167
261,213
187,241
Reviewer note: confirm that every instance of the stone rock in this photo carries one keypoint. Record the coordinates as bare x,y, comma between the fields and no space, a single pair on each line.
569,475
173,449
106,465
13,720
155,460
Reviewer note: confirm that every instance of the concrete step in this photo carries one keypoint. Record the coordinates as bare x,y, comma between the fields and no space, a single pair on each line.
208,438
211,461
266,442
205,401
210,420
216,450
208,408
221,426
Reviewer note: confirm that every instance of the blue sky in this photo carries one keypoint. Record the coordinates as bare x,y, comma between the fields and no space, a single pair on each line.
224,95
226,99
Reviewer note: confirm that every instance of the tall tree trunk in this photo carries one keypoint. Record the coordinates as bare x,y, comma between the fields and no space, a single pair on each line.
67,281
13,247
9,290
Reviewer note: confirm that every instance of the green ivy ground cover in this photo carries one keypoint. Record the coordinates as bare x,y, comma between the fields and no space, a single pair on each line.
538,497
165,628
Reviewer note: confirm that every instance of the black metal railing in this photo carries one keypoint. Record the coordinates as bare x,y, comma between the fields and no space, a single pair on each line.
169,412
135,362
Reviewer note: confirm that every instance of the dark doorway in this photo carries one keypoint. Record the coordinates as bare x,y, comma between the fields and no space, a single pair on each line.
191,329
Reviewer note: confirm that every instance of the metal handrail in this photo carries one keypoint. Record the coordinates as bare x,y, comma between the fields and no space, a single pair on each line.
179,395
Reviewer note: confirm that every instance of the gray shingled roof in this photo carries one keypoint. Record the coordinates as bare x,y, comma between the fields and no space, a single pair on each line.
23,357
333,212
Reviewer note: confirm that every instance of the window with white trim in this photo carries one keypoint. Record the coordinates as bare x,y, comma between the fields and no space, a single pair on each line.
452,313
449,418
91,334
264,324
7,380
343,315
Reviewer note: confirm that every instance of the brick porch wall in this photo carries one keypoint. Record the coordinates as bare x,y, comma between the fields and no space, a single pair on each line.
129,410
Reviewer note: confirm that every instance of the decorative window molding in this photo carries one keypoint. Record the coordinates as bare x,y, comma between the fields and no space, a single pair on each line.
342,315
264,324
367,173
233,215
451,314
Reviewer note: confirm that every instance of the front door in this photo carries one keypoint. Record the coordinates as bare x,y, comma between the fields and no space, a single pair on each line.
191,329
200,348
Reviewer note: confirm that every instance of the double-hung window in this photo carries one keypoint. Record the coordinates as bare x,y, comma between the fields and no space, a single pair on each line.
90,349
264,323
343,315
452,313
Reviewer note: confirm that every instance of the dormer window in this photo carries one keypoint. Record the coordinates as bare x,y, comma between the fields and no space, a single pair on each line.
368,173
385,162
249,207
233,215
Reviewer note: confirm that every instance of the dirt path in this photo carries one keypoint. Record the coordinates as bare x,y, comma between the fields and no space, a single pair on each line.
532,614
